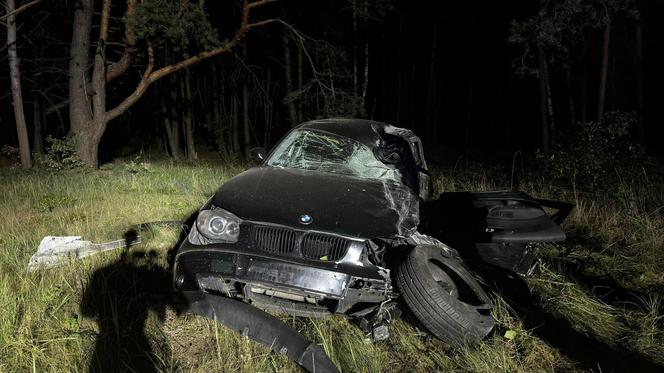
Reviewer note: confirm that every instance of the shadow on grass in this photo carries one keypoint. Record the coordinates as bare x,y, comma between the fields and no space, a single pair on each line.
587,352
579,235
120,296
608,278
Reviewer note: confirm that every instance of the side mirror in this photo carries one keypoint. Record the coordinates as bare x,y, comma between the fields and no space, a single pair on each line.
258,154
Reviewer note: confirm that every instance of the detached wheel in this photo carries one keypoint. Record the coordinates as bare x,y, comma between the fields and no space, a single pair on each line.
444,296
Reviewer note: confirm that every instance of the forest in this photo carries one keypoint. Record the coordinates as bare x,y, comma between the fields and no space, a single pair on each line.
117,113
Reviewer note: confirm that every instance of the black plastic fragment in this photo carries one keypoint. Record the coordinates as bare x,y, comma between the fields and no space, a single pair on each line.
261,327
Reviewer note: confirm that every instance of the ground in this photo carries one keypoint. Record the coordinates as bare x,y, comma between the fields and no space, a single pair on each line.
596,299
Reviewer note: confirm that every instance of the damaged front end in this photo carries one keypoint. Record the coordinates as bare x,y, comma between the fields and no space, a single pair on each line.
279,268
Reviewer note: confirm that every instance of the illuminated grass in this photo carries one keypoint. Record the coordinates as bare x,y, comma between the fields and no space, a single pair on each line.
42,328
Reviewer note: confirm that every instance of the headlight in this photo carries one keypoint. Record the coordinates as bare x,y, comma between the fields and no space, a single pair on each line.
215,225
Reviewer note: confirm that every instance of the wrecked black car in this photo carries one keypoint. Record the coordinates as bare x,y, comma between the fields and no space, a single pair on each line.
339,219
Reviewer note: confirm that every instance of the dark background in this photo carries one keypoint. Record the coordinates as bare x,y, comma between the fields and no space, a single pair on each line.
444,69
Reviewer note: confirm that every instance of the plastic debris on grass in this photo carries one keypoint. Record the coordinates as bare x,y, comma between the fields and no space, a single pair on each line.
54,251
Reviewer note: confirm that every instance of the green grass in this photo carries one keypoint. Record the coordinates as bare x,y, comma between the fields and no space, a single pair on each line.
42,327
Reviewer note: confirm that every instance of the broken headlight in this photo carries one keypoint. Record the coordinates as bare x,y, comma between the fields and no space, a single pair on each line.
215,225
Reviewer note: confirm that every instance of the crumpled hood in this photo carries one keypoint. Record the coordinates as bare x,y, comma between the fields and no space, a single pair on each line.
337,203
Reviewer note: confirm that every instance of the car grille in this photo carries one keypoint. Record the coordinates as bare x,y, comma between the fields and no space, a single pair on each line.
290,242
317,245
274,239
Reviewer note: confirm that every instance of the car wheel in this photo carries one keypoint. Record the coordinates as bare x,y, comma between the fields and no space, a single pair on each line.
444,296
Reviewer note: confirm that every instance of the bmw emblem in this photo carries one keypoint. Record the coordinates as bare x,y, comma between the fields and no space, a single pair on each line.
305,219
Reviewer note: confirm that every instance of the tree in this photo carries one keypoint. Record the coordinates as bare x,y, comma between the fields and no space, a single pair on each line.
89,118
288,77
604,71
15,77
638,72
551,33
557,28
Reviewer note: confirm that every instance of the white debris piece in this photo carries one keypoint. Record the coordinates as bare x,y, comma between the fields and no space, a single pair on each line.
56,250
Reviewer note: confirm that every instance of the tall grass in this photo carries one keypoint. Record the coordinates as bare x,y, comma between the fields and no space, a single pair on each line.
42,327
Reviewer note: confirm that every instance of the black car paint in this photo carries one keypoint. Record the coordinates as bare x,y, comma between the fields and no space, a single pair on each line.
495,228
337,203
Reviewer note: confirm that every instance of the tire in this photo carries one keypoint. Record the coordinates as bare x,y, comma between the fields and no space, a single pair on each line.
444,296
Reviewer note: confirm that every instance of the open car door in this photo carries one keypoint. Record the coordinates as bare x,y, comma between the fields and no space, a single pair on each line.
497,228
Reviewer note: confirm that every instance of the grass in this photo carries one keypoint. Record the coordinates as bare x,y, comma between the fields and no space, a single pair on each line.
43,327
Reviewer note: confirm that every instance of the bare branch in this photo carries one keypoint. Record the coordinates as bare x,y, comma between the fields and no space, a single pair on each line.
300,37
57,107
150,76
19,9
119,68
261,23
259,3
138,92
148,69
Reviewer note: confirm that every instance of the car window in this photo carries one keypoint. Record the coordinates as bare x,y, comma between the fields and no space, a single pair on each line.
322,151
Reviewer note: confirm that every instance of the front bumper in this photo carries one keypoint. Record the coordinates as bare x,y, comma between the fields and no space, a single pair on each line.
233,271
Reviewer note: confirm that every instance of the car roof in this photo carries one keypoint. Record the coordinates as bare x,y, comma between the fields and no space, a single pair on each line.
362,130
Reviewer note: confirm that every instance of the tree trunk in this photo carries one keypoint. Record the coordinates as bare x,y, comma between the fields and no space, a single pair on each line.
188,118
544,115
37,136
354,4
431,99
469,114
17,97
288,76
216,105
583,92
470,99
245,112
397,106
601,95
570,96
267,110
365,83
549,101
638,69
170,128
300,116
89,125
87,150
399,86
235,120
79,108
97,125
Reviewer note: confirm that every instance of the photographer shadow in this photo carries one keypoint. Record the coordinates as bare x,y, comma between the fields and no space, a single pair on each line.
120,297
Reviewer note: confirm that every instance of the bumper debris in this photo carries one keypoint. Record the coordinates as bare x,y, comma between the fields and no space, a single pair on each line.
261,327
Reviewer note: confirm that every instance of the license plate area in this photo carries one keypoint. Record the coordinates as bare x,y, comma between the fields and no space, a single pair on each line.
296,276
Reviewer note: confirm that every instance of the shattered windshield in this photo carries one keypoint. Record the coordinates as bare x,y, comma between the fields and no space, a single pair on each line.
322,151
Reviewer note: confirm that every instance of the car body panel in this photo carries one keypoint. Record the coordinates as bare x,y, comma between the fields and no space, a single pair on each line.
341,204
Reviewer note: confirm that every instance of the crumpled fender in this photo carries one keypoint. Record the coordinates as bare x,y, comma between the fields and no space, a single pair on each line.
261,327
